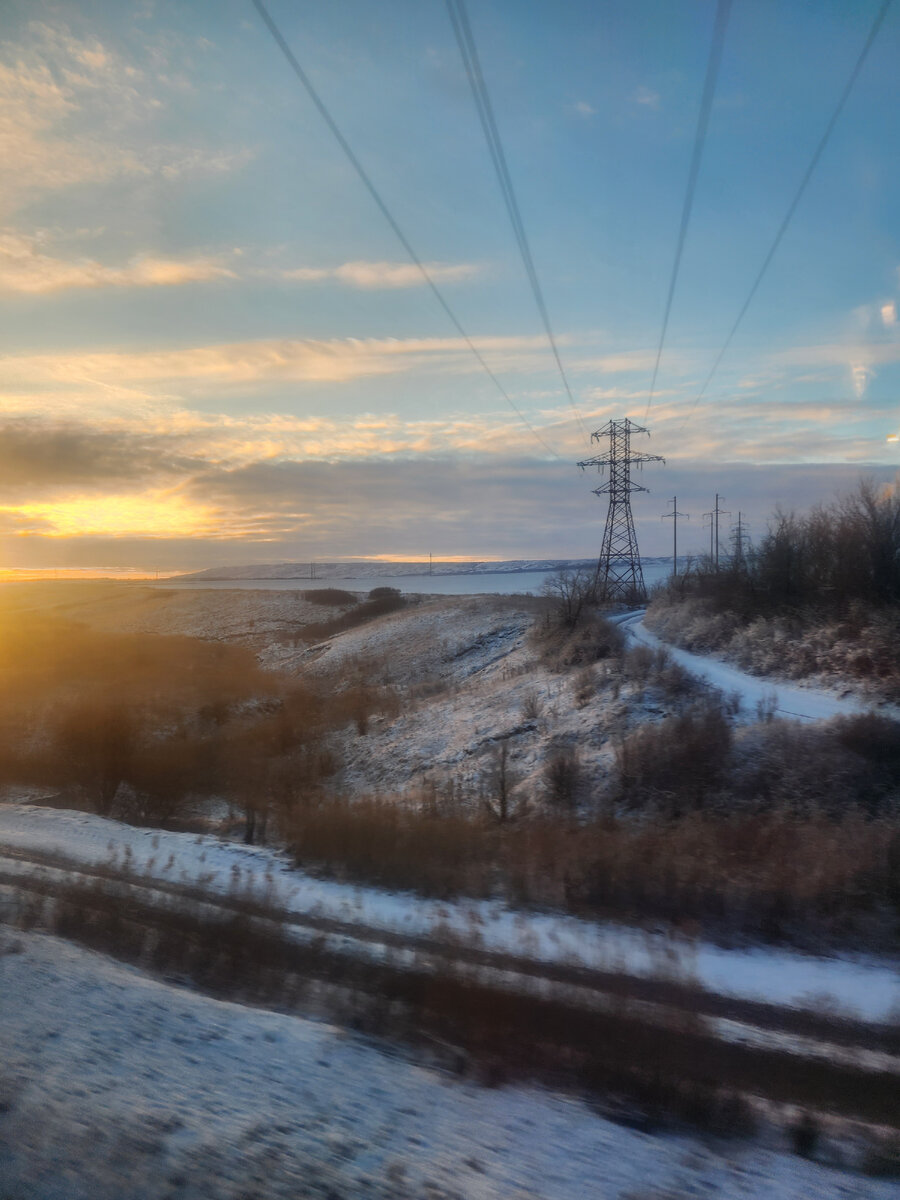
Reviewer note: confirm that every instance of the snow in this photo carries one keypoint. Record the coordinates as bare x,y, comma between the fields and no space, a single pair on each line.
867,986
755,693
116,1085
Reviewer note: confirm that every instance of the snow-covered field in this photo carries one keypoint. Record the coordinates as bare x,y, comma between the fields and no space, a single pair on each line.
866,986
113,1085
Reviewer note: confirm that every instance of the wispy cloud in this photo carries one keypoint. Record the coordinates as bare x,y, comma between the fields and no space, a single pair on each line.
841,353
287,360
374,275
583,109
58,91
646,96
618,393
630,360
25,268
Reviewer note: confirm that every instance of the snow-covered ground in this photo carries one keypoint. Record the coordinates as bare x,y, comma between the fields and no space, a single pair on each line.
866,986
114,1085
756,694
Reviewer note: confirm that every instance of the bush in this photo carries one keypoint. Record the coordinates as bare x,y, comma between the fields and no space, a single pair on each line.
678,764
570,594
562,776
395,846
388,600
332,597
594,640
849,763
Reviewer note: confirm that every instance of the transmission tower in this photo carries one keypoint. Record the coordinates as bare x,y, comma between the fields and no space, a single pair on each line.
740,539
719,512
619,575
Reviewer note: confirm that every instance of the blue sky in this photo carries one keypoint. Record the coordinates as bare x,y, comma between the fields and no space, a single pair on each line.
213,349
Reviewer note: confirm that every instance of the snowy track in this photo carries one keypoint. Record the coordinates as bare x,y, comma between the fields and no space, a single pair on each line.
789,700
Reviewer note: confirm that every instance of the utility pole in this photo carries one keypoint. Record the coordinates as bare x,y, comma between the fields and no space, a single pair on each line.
430,564
619,573
719,512
674,514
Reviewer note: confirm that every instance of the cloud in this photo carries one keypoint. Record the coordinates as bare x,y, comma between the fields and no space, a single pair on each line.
57,90
288,360
149,514
503,506
295,484
629,360
37,455
24,268
861,374
583,109
889,314
617,393
841,354
372,275
646,97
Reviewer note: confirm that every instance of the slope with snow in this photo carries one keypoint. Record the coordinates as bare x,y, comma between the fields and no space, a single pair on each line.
864,985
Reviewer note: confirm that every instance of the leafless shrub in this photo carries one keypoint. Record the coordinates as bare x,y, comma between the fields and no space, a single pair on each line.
562,777
678,764
592,640
852,763
570,593
532,704
499,783
585,686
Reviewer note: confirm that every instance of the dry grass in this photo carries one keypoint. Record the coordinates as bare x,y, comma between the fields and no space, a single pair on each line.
804,880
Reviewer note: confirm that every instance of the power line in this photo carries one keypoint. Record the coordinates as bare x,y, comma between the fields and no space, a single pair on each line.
388,215
723,9
792,207
465,39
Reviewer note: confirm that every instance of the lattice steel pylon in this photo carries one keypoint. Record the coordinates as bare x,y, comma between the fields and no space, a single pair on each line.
619,574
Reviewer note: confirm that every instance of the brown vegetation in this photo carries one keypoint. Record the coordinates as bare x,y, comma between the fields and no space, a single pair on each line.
775,830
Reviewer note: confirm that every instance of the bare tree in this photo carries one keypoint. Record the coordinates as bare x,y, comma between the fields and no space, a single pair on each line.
570,592
500,783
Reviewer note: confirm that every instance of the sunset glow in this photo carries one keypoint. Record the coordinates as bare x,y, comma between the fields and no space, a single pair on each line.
214,346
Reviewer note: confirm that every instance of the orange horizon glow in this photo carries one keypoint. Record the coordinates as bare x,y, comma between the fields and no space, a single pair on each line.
45,574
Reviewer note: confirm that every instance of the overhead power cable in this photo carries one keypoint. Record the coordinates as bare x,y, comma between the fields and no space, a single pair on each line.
792,207
388,215
723,9
465,39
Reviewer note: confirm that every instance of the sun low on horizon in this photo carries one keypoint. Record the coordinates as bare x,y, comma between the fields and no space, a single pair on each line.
253,313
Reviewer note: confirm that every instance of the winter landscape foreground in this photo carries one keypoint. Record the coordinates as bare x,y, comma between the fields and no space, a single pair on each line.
221,983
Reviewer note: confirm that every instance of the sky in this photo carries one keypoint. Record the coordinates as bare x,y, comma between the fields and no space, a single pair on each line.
214,350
